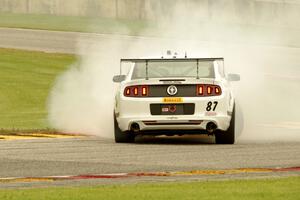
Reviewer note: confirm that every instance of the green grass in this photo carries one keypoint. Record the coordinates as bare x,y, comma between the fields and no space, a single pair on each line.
271,189
73,23
26,78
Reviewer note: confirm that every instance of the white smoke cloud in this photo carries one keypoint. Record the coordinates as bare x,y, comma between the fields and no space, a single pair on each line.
82,98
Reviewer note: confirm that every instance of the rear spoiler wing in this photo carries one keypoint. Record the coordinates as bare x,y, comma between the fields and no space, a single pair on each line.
146,60
170,59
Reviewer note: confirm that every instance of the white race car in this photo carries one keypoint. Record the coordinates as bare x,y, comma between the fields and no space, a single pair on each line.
175,96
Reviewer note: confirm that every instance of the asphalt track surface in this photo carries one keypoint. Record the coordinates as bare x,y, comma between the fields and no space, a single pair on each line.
48,157
89,156
56,41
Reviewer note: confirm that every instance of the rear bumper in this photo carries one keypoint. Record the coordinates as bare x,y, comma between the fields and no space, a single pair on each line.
147,123
134,110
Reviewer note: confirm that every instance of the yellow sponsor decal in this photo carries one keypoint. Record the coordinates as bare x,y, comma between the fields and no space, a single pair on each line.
172,100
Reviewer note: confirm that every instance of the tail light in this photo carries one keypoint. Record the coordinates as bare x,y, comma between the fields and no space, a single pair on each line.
136,91
143,91
208,90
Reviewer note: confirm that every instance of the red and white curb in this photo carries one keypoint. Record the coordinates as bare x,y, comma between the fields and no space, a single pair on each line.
147,174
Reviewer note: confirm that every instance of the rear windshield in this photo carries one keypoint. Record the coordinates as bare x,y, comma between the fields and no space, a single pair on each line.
171,69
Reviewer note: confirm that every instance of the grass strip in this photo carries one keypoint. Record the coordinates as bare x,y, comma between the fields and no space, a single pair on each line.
74,23
26,78
266,189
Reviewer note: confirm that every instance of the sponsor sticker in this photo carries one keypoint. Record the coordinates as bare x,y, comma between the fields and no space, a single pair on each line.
210,113
165,109
172,100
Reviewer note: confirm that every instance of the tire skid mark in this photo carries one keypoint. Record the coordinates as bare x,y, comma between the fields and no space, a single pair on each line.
147,174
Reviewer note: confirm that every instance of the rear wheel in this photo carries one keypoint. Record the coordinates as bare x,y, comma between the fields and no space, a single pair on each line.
120,136
227,137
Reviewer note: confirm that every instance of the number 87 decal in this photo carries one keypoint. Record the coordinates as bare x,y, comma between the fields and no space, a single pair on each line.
211,107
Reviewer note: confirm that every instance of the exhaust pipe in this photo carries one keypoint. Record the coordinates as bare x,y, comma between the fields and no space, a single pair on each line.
135,127
211,127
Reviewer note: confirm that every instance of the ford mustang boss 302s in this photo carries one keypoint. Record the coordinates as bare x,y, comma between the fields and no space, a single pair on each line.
175,96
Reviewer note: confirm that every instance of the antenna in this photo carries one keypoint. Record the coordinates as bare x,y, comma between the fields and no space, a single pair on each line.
197,68
147,78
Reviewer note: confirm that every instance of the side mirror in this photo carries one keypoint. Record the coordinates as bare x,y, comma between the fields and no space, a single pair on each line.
233,77
119,78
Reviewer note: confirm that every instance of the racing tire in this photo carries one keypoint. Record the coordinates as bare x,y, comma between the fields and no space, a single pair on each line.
227,137
120,136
